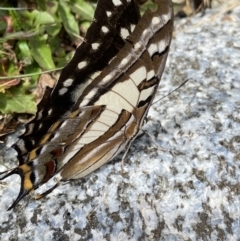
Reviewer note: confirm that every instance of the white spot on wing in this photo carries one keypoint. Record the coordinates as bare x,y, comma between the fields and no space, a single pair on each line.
124,33
139,75
39,115
67,82
155,20
95,46
104,29
50,112
161,46
146,93
132,27
166,17
83,103
82,64
65,123
56,135
147,33
123,62
109,14
107,78
150,74
91,94
138,45
95,75
152,49
40,126
62,91
117,2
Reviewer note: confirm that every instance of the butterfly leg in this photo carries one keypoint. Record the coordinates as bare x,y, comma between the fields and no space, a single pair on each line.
39,196
125,154
154,142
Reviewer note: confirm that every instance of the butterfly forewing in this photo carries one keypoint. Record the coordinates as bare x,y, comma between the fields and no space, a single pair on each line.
112,24
109,107
127,87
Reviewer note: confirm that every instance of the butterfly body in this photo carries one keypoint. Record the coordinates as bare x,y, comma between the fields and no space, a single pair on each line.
107,96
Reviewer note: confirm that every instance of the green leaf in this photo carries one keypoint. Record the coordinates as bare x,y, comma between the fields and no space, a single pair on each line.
41,52
54,29
69,22
16,100
84,9
43,18
31,69
24,50
12,68
51,7
29,17
16,20
85,26
3,25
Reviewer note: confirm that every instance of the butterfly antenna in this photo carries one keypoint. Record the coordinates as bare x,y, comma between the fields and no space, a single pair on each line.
171,91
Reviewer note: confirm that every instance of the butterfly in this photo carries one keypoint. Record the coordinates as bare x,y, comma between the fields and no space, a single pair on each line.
101,99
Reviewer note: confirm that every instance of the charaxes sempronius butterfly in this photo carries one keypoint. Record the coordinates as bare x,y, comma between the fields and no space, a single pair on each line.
99,103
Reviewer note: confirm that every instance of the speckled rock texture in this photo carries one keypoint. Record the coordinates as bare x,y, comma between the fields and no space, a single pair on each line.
184,185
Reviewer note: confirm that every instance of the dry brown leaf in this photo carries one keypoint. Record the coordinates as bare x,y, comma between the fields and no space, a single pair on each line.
45,80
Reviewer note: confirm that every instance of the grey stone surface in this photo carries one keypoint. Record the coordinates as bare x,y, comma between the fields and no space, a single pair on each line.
185,186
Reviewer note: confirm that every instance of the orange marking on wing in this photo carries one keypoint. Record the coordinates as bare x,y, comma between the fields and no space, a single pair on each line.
50,169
